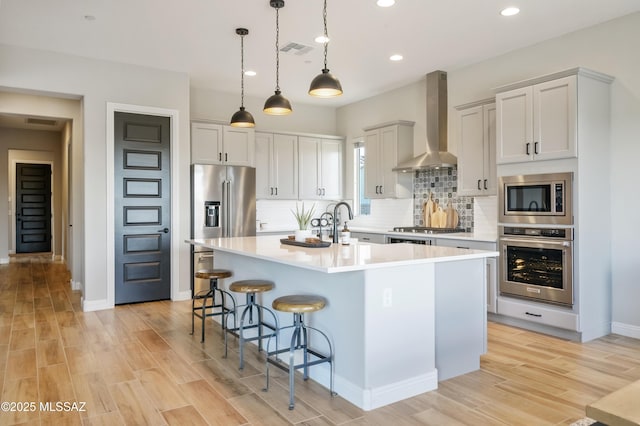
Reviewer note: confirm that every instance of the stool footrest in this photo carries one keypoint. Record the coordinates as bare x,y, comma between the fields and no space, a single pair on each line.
284,366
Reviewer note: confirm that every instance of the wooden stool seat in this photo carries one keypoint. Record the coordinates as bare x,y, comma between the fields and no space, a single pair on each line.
251,286
299,303
207,274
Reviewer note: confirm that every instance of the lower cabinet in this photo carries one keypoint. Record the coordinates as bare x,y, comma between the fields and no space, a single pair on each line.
492,266
369,237
537,313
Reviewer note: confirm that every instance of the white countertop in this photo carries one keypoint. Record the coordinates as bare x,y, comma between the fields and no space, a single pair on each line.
338,258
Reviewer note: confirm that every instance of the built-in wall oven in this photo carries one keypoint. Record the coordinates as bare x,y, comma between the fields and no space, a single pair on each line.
537,263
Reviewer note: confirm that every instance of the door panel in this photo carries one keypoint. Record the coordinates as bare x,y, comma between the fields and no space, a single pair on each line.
33,208
142,208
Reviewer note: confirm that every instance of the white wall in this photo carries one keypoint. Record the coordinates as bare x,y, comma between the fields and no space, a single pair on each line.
96,83
611,48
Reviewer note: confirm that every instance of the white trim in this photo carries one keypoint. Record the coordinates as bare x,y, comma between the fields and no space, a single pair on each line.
183,295
385,395
4,260
75,286
95,305
174,116
627,330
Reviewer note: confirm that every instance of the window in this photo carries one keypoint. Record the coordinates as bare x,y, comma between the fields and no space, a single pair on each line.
362,204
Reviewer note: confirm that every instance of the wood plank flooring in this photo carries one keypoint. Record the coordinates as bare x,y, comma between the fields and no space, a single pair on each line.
138,365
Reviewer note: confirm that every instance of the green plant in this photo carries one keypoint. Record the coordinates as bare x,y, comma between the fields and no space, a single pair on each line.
303,217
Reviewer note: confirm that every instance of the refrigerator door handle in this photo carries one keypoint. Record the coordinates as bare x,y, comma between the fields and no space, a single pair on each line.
229,208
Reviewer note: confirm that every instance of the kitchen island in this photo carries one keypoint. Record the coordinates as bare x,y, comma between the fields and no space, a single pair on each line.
401,316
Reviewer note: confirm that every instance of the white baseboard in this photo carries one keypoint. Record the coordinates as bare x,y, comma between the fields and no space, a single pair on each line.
385,395
627,330
95,305
75,285
4,260
183,295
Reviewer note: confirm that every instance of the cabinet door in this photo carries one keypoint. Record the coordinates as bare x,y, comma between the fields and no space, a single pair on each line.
471,149
264,143
555,118
514,126
206,143
372,180
309,171
238,146
490,184
284,170
388,160
331,169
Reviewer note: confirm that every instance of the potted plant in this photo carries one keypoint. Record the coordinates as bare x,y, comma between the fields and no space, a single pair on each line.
303,217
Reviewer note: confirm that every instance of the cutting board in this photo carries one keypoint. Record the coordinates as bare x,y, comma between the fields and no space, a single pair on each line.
451,216
427,210
439,218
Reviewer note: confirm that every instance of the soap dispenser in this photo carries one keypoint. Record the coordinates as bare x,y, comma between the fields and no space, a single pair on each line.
345,235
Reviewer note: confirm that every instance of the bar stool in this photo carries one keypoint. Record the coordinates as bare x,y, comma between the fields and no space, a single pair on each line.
250,288
213,275
299,305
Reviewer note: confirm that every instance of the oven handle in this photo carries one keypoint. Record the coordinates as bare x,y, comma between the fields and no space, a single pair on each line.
528,241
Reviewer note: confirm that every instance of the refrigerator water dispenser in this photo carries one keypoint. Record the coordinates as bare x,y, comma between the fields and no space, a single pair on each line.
211,214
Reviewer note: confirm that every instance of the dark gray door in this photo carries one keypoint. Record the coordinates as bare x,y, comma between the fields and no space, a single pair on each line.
33,208
142,208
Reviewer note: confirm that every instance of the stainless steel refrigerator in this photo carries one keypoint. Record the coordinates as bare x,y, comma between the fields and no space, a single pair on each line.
223,204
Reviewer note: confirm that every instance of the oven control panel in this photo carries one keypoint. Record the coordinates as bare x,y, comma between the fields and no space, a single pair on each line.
559,233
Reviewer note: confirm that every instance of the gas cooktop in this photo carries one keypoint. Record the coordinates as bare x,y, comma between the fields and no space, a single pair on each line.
426,230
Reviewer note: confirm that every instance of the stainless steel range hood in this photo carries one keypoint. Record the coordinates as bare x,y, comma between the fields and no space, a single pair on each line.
436,155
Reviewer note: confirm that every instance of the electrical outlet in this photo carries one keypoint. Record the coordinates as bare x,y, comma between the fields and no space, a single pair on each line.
387,300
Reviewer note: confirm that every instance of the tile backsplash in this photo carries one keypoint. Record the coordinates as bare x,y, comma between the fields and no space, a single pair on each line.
443,184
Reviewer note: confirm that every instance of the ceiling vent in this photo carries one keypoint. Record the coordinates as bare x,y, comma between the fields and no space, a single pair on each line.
297,49
41,121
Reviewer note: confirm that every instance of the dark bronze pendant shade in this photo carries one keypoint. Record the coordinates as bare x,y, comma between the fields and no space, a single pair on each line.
325,85
242,118
277,104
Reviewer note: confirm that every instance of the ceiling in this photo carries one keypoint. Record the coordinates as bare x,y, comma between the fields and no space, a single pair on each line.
198,37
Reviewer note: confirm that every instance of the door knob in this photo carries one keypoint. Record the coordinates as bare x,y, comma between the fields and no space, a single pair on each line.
165,230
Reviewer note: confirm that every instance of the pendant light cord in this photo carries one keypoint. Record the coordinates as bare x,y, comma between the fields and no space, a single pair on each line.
277,49
326,35
242,70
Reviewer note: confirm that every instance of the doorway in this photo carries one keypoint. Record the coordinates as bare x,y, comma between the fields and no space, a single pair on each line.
33,208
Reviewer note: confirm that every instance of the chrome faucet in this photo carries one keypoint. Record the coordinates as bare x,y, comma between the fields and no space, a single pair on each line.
335,218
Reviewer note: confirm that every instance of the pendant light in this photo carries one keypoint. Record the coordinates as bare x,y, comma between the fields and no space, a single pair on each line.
277,104
325,84
242,118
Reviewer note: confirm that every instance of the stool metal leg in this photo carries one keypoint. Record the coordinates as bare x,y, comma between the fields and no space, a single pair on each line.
295,339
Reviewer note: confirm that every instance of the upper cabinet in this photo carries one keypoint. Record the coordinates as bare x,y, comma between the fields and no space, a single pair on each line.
385,146
276,166
221,144
320,168
476,130
537,122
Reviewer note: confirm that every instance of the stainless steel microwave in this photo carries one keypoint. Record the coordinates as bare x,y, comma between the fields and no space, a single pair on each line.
536,199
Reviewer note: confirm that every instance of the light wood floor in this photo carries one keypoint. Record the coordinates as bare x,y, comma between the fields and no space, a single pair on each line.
137,364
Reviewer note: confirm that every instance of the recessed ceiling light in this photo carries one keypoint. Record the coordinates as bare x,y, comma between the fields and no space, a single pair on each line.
250,73
322,39
385,3
395,58
509,11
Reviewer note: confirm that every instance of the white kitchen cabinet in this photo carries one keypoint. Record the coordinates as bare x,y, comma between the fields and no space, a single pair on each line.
385,146
476,131
537,122
320,168
492,266
276,166
213,143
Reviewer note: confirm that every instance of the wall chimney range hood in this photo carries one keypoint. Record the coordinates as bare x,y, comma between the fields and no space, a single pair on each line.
436,155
